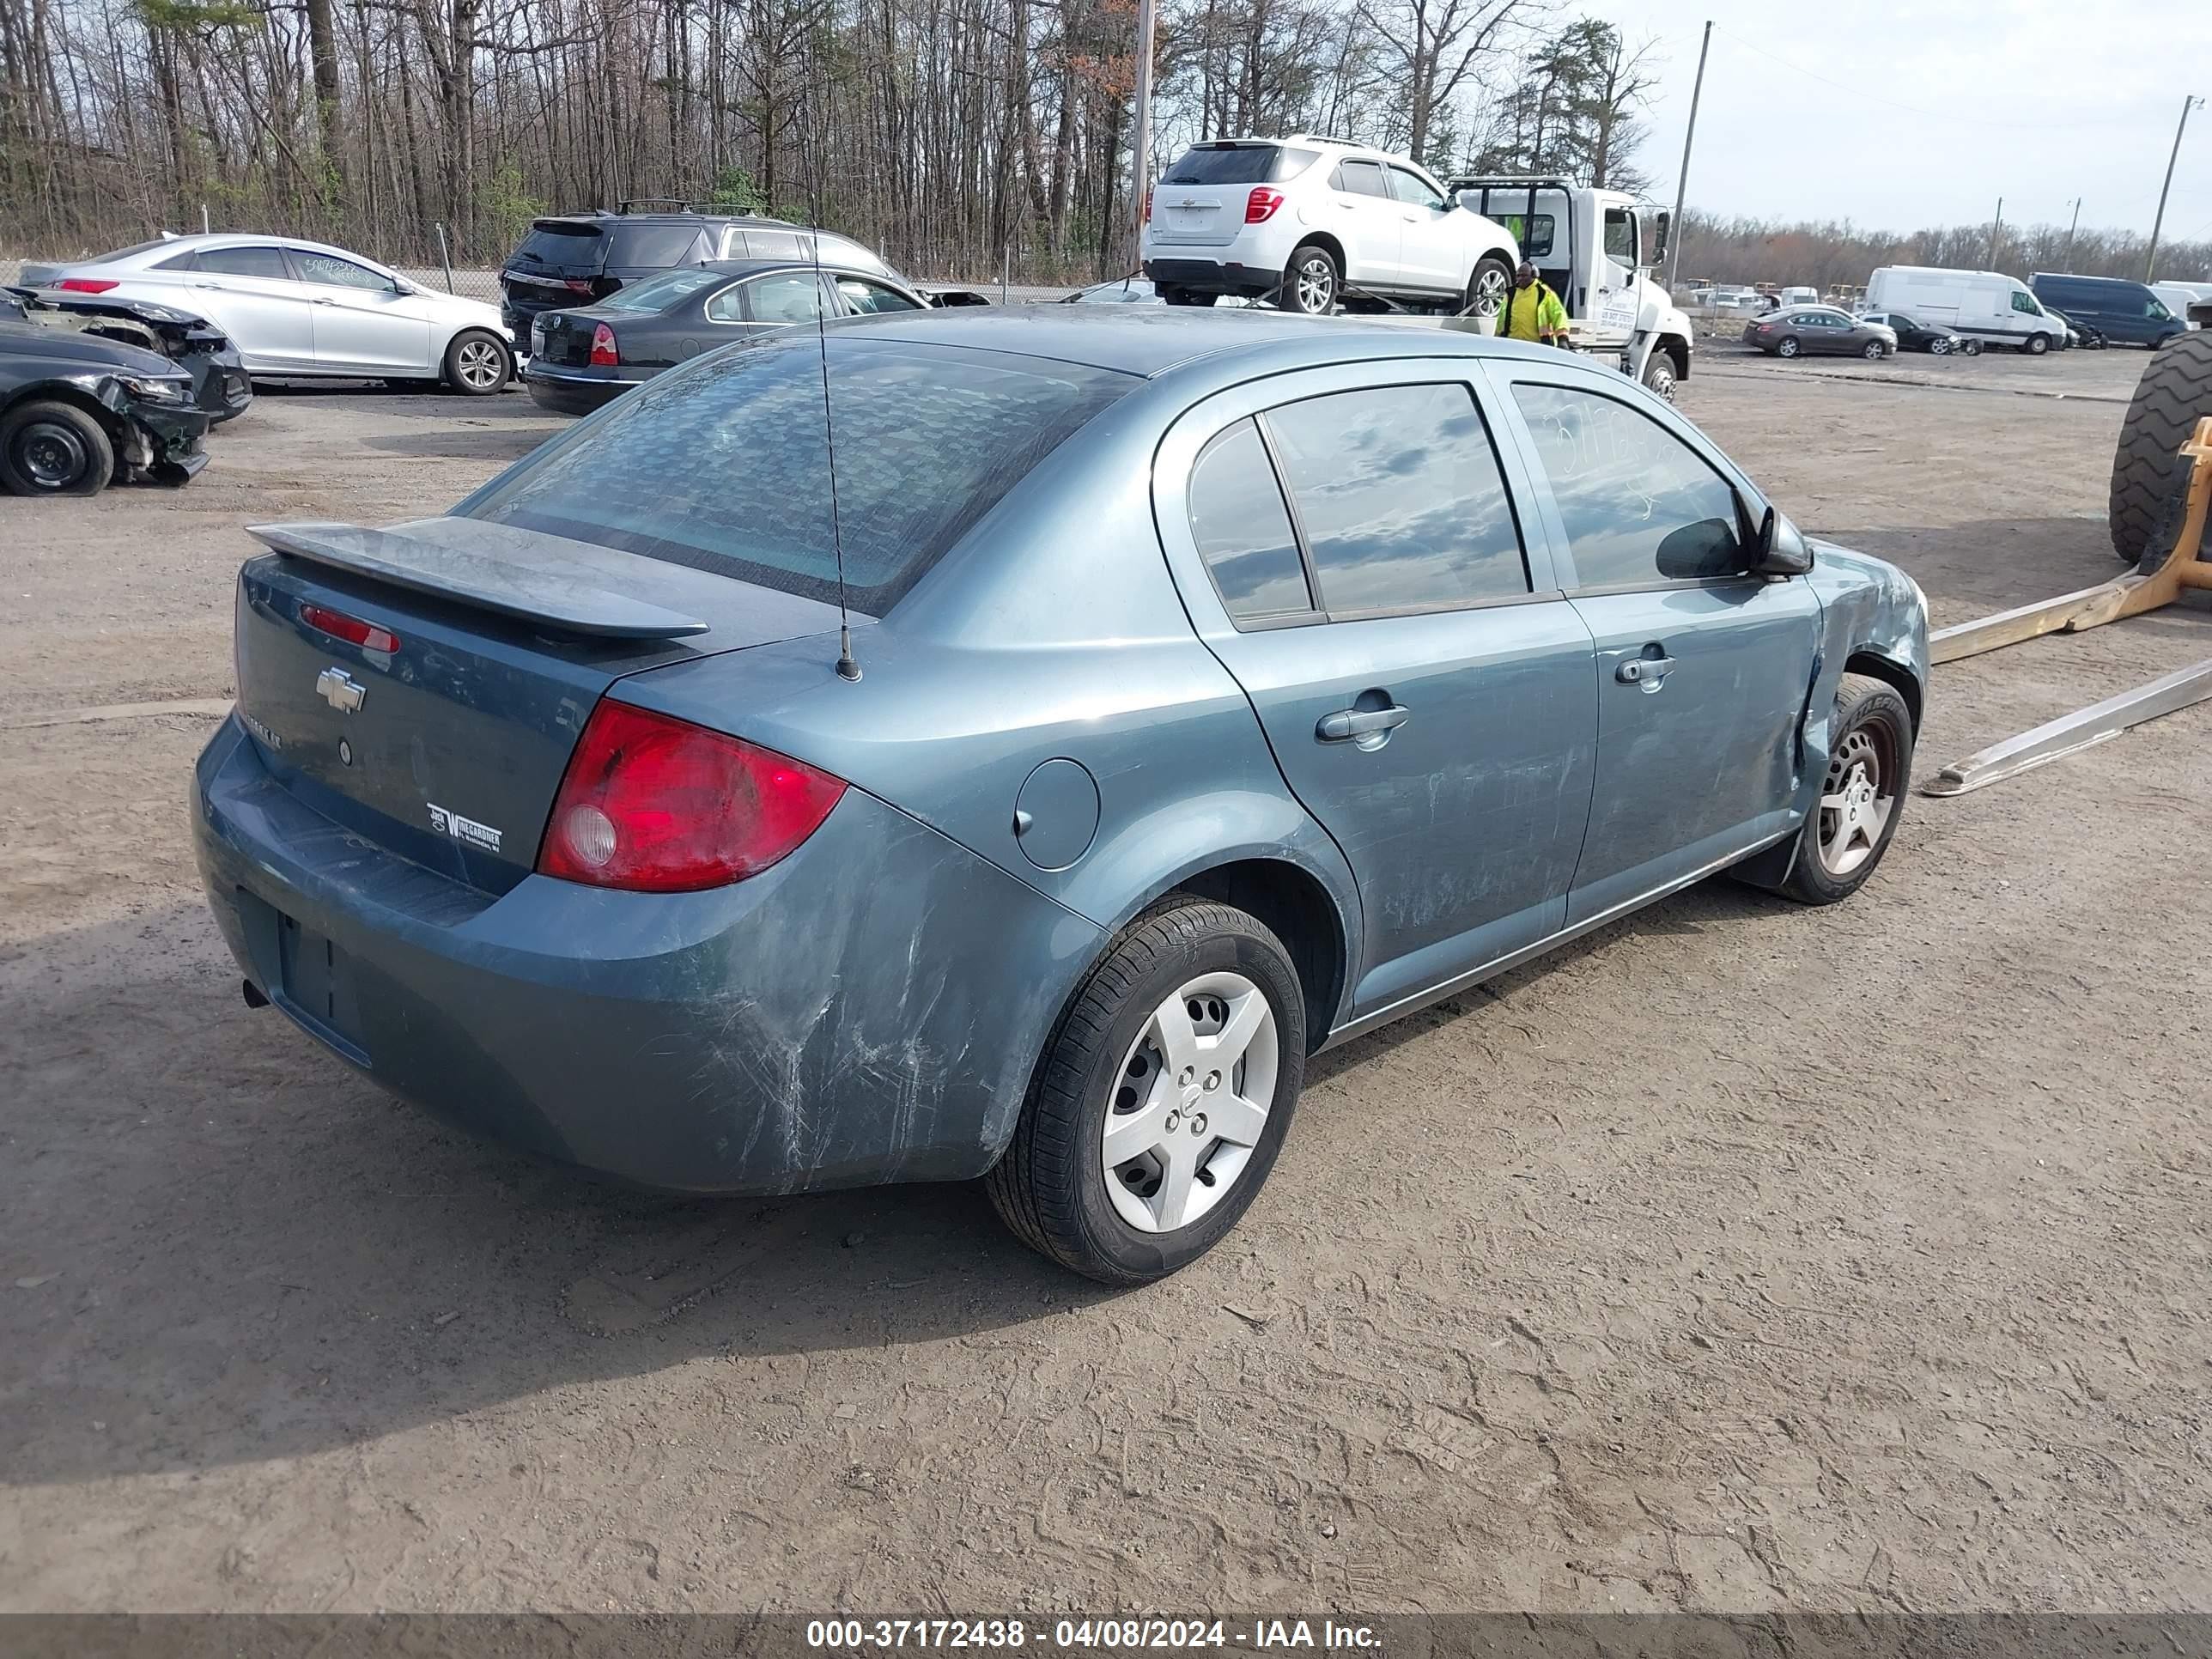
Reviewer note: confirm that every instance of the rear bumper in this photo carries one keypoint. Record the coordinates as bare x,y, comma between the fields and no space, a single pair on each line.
866,1011
577,391
1213,275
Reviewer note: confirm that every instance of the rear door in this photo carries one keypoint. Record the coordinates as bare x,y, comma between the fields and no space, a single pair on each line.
249,293
559,263
1702,670
360,320
1368,219
1348,545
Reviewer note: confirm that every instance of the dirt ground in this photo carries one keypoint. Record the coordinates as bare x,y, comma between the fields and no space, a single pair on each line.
1739,1256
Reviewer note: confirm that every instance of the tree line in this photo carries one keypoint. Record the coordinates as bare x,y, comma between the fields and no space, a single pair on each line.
946,133
1742,250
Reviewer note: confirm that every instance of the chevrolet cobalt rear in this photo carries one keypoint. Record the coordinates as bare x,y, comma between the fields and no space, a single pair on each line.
1226,687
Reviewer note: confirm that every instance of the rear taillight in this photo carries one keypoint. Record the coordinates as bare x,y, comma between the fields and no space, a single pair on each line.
1148,204
1260,206
604,355
657,805
369,636
85,284
576,284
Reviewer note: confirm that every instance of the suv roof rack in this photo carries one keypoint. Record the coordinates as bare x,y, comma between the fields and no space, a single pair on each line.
656,205
1325,138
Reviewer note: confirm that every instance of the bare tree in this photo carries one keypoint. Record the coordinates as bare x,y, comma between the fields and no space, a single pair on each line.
1434,49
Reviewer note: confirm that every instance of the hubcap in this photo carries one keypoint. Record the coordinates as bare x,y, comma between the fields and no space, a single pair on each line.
1190,1103
480,363
50,455
1856,804
1316,284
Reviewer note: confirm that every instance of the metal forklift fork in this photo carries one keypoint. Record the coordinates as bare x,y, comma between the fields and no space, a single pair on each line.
2158,580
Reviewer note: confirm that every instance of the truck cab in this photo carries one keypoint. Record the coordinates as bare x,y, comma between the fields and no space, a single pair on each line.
1599,250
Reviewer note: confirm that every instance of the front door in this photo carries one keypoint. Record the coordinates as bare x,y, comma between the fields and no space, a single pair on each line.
1428,243
361,321
1702,670
1351,554
1612,306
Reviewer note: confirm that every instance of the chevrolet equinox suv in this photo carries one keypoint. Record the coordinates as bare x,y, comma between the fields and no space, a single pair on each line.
1309,222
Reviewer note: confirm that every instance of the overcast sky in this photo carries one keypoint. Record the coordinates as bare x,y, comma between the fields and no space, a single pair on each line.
1898,115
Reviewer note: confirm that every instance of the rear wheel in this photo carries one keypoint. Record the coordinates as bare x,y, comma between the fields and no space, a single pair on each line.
477,363
1161,1098
2175,389
51,448
1311,280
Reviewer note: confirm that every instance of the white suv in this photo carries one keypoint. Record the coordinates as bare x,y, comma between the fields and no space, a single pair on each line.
1303,220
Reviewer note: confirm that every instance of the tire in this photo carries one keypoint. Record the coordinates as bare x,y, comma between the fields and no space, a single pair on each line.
2175,389
1105,1066
2036,344
1786,347
1874,353
1312,283
477,363
1939,347
1659,374
1182,296
1871,751
1971,347
53,448
1487,285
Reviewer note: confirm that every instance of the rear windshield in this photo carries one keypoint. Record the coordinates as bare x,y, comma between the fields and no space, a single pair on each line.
1240,164
563,245
723,465
652,244
657,294
125,253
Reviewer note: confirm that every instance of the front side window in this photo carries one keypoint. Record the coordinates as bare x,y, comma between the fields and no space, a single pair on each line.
1639,505
862,295
1413,190
1243,529
267,263
2157,311
328,271
1400,496
723,465
787,296
1620,235
2026,303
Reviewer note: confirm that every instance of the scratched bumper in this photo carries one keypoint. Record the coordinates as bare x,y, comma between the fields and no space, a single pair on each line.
866,1011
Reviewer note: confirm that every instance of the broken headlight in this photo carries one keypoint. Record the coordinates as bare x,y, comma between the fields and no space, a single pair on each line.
158,389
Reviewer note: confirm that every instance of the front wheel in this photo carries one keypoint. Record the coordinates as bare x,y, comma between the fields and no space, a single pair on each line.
2037,344
477,363
1161,1099
1787,349
1861,797
1181,296
52,448
1874,353
1659,374
1939,347
1310,281
1487,287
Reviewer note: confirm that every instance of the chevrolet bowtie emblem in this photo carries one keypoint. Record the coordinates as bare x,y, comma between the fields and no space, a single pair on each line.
340,689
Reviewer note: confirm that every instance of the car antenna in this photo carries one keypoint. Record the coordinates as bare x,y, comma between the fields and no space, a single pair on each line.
847,669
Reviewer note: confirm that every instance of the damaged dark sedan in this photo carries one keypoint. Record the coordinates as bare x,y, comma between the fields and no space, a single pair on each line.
78,412
221,384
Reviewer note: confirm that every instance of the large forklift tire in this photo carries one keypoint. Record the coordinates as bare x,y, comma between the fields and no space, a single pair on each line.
2176,388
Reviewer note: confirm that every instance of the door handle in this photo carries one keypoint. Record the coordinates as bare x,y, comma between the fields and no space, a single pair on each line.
1346,724
1644,671
217,286
321,302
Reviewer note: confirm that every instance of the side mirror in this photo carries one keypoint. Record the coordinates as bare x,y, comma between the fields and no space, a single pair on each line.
1662,227
1780,548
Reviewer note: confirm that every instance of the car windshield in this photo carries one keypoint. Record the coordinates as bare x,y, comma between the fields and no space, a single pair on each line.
723,465
657,294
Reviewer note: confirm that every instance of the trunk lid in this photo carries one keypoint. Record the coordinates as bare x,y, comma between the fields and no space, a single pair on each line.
1199,201
561,261
443,737
566,337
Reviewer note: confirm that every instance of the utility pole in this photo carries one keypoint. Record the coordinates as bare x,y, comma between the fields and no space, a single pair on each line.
1682,184
1997,229
2150,260
1141,145
2068,261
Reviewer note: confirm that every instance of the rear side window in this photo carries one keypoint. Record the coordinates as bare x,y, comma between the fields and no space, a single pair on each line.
771,245
263,262
564,245
1361,179
1240,164
1399,493
654,295
652,244
1243,529
722,464
1639,505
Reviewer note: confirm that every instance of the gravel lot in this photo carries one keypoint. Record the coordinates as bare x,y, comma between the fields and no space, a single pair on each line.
1736,1257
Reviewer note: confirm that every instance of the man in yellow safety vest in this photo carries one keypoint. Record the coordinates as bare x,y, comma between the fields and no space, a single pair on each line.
1532,311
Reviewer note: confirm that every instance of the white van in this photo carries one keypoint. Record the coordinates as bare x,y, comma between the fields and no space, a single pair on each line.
1984,305
2179,296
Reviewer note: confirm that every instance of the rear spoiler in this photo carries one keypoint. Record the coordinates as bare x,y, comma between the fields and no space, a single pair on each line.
547,599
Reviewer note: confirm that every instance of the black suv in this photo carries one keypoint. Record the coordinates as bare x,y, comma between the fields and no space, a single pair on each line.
574,259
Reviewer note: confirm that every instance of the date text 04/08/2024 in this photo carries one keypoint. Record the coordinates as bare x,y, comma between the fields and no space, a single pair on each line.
1324,1635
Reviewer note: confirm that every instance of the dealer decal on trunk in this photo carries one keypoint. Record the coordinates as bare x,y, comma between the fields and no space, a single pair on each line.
460,829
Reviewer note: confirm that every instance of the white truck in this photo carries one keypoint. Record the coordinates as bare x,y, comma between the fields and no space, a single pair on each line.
1983,305
1599,250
